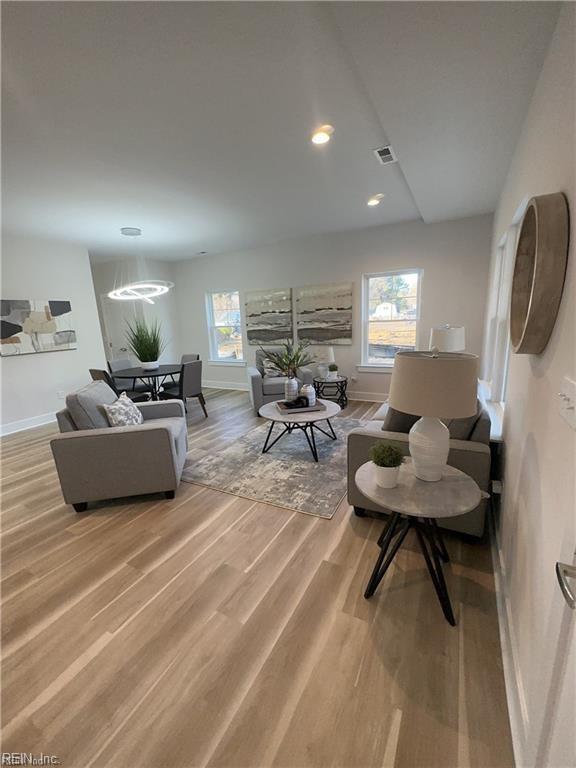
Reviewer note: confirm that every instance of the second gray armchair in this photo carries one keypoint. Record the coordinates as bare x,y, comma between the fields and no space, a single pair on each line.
267,389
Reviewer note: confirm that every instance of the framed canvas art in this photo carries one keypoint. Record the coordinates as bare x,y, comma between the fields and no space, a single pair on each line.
269,316
36,325
324,313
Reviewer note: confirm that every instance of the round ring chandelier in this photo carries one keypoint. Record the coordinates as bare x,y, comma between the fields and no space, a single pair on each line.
146,290
143,290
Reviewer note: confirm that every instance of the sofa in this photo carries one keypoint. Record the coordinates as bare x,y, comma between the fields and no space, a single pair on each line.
96,462
267,389
469,452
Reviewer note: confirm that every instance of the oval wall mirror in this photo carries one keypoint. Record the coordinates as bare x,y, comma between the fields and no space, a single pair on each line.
539,270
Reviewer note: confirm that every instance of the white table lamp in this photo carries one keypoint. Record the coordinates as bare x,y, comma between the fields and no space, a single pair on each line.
323,356
448,338
433,385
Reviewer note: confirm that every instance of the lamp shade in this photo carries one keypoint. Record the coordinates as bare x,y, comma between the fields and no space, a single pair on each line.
440,384
448,338
323,355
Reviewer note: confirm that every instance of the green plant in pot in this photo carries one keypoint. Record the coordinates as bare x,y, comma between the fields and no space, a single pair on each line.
386,459
332,371
287,361
146,342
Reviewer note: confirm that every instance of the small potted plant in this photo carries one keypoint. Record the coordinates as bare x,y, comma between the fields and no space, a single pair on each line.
146,343
386,460
332,371
287,361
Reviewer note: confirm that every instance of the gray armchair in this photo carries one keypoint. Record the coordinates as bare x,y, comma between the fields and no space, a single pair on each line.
471,455
95,461
267,389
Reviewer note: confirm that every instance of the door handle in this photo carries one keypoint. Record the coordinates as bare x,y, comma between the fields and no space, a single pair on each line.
565,572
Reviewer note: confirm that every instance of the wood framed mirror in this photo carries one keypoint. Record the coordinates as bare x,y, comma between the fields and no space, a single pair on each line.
539,271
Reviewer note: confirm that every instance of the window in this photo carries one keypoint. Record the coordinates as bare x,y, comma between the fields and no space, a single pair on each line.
497,349
391,309
224,325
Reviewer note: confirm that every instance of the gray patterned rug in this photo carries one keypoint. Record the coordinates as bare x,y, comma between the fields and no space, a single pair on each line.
287,476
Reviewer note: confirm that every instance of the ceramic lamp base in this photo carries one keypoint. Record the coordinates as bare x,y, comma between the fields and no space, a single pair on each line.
429,442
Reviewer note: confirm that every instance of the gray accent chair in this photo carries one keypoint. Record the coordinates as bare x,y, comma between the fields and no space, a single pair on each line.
96,462
268,389
99,374
471,455
189,385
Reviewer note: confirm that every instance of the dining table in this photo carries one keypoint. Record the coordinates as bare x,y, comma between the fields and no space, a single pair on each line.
153,378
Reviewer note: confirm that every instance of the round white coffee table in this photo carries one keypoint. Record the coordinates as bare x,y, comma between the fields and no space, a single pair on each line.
418,504
306,422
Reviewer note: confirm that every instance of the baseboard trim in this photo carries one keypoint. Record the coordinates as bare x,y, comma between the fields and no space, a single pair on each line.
23,424
211,384
369,397
515,696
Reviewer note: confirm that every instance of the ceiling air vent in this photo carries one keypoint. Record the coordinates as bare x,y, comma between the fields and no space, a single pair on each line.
385,155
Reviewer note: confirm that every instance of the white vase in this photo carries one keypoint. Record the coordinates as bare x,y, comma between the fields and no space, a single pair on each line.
385,477
309,393
332,375
151,365
290,389
429,443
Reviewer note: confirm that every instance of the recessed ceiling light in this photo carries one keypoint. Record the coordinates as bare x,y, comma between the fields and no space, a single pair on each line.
131,231
375,199
322,135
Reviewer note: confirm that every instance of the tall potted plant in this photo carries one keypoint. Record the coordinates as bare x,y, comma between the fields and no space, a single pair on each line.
287,361
146,343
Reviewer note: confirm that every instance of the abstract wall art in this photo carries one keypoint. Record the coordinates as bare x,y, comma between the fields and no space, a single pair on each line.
35,325
269,316
324,313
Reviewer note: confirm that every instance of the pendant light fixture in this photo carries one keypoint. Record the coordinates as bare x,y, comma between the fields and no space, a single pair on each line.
144,289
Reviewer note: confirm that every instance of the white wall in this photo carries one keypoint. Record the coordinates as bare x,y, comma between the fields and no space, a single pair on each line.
454,255
107,274
538,516
42,269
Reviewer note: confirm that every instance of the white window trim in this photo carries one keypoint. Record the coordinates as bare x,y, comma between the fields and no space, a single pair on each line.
385,367
211,327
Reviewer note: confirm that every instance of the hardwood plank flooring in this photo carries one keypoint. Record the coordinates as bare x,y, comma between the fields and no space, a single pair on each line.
216,631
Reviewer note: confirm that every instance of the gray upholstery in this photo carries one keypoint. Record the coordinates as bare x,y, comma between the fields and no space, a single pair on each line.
267,389
274,385
85,406
189,359
471,456
189,384
96,463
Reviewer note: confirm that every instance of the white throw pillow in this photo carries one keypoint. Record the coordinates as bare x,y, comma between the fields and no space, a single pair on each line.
123,412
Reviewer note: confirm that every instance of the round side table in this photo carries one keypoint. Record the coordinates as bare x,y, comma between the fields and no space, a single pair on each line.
332,389
418,504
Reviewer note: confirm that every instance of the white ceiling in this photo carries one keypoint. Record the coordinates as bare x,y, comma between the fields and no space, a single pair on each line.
192,120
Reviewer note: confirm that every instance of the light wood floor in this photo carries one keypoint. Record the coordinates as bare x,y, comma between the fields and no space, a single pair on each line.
215,631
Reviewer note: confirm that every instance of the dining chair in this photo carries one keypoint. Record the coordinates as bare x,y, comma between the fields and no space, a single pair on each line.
99,374
189,358
189,385
121,364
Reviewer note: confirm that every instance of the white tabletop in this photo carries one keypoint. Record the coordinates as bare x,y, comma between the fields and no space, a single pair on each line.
271,412
455,494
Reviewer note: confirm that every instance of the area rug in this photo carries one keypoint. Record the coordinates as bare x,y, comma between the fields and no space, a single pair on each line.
286,477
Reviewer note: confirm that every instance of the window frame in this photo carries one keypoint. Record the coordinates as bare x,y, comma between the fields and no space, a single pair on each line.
498,348
365,309
211,326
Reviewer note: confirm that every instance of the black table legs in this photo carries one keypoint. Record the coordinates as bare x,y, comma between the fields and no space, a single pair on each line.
432,546
308,428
